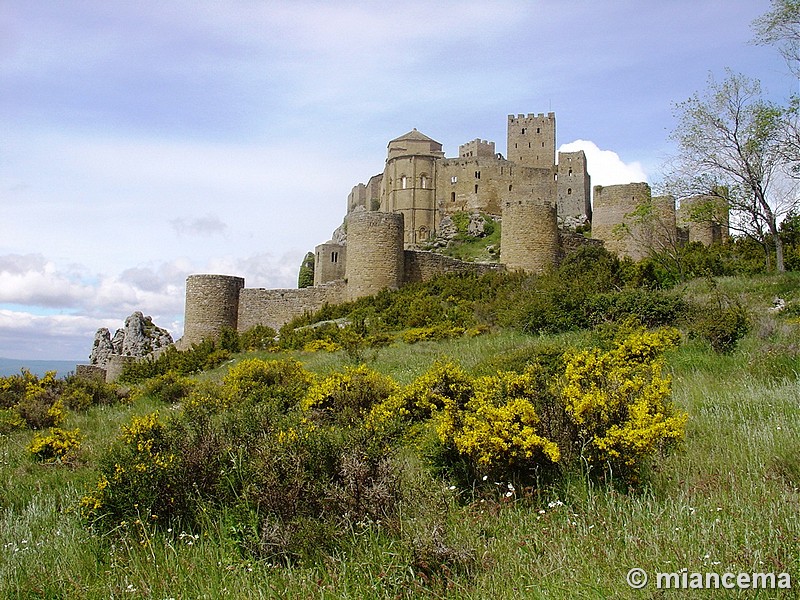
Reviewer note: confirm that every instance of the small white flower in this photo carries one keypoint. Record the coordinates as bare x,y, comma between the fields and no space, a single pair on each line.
542,511
485,477
509,494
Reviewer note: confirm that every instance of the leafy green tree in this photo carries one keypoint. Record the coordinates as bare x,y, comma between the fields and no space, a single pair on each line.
306,277
731,145
781,27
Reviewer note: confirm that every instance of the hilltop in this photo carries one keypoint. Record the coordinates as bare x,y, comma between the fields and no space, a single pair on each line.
225,480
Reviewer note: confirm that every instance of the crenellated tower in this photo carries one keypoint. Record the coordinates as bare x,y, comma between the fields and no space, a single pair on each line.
532,140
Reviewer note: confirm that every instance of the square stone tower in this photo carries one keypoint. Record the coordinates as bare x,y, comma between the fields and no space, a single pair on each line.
532,140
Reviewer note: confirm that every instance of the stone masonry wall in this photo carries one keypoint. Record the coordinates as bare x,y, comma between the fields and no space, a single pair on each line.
612,205
329,263
275,308
423,266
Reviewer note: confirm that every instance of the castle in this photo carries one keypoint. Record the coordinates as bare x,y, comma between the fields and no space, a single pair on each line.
539,196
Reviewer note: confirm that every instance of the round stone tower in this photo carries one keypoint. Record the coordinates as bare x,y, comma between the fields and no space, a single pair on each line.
375,259
212,304
529,236
409,184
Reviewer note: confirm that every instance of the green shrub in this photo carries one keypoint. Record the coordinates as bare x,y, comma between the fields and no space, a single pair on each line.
139,477
10,420
41,407
169,388
99,392
722,323
258,337
12,388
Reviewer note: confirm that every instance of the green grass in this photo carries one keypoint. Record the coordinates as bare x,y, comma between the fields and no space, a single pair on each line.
729,500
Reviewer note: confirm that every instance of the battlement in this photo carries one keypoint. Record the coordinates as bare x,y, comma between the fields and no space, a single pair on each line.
550,115
476,147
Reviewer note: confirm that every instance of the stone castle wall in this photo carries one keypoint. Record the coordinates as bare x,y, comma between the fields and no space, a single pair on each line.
403,206
276,307
574,185
532,139
424,266
627,232
705,219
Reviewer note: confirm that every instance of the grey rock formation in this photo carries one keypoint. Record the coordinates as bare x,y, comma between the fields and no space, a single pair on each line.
139,337
102,347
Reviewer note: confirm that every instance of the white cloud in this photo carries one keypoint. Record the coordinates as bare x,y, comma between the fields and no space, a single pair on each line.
605,166
68,337
201,226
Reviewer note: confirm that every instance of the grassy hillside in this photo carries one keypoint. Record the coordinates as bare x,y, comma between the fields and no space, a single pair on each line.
727,501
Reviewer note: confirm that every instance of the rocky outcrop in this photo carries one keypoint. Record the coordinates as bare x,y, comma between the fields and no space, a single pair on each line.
139,337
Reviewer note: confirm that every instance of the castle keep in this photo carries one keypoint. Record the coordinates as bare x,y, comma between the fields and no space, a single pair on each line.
539,196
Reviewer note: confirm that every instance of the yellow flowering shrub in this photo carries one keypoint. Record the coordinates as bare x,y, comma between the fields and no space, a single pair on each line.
56,445
498,429
445,384
138,474
349,395
620,400
259,380
323,345
41,405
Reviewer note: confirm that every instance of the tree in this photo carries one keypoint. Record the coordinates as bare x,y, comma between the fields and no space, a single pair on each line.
306,276
781,27
731,146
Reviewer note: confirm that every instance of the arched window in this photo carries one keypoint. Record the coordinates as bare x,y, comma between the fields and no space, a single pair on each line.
452,196
403,182
423,182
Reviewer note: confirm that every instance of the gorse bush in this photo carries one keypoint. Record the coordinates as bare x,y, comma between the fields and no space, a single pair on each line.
349,396
169,388
248,449
57,445
619,400
258,380
498,429
305,460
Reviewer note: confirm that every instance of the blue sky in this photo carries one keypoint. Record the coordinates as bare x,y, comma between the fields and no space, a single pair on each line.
144,141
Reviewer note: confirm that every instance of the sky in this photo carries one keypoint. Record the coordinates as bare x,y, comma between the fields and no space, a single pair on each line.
143,141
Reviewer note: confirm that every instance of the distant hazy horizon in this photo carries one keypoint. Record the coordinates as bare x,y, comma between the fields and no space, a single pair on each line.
12,366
